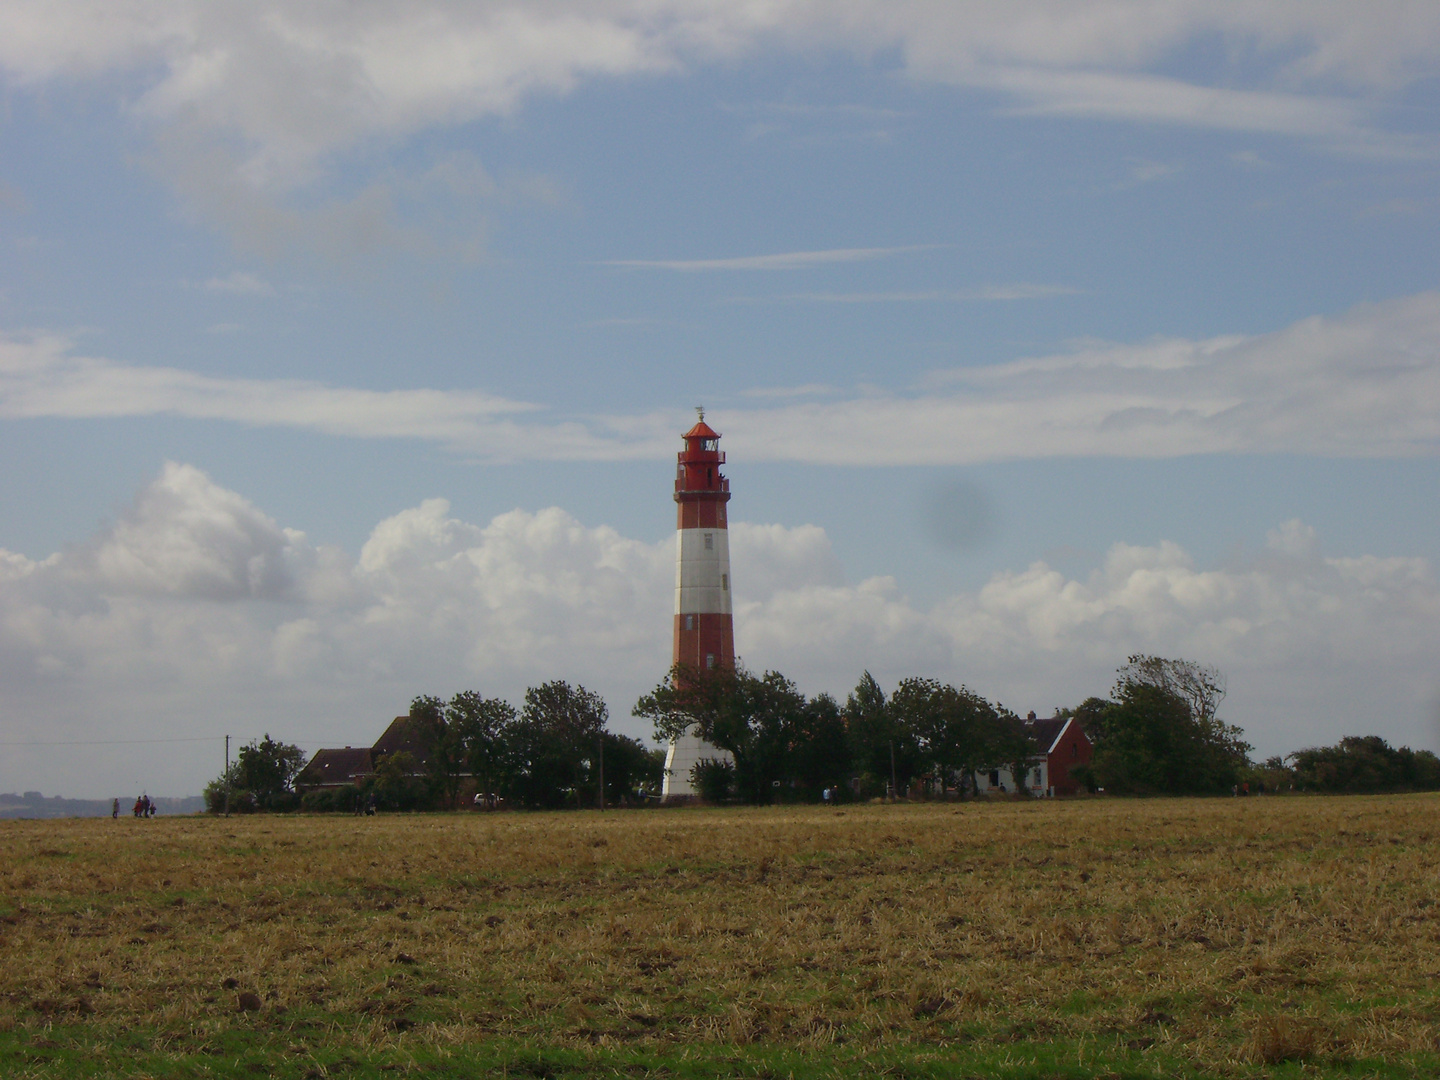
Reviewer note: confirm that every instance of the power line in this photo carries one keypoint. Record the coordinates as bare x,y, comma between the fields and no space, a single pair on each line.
117,742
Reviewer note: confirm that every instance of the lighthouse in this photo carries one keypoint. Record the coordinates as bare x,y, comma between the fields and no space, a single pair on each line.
704,627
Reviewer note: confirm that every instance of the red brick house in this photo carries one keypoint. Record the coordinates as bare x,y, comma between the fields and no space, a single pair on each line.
1061,743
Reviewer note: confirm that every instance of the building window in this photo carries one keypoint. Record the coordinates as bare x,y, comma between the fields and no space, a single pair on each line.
994,777
689,622
724,582
709,541
1074,750
709,660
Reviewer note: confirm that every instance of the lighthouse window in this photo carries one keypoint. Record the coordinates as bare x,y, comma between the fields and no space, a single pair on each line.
724,582
709,660
709,541
689,622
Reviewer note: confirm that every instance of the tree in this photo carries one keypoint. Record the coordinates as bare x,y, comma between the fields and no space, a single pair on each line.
445,756
881,748
632,769
713,779
1162,734
483,727
819,752
1202,688
262,777
395,784
1366,763
268,767
556,743
957,730
754,717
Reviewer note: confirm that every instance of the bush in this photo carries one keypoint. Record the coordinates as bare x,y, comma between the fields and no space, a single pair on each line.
713,779
335,800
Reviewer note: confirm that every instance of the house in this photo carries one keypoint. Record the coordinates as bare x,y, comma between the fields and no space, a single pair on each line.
335,768
1061,745
405,734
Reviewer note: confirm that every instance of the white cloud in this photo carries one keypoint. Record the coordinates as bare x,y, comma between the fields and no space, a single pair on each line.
195,614
1363,384
40,376
790,260
1015,291
242,283
294,84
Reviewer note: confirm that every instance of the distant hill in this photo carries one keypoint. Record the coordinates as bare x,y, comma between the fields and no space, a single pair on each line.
34,805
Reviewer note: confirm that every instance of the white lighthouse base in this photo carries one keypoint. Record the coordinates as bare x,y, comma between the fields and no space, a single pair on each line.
683,753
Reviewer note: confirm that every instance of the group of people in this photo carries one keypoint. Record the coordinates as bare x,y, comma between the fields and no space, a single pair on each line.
144,807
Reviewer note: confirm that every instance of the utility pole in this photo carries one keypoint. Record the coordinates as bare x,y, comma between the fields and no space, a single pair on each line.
602,772
894,787
227,775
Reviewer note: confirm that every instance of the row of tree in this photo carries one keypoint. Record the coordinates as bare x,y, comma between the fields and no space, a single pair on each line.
1158,732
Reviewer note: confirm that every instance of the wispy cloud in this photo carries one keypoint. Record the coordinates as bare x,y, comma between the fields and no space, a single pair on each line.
808,390
241,283
1362,384
790,260
1342,124
1017,291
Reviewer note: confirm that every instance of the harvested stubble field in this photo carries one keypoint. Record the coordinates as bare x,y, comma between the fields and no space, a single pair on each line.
1227,937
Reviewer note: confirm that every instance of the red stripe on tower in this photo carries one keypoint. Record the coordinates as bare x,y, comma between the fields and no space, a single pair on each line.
704,626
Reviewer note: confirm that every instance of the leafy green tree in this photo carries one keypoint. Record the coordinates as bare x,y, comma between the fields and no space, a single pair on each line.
1365,763
262,777
957,730
483,727
395,783
713,779
445,754
819,750
754,717
556,744
268,767
882,748
1162,734
632,769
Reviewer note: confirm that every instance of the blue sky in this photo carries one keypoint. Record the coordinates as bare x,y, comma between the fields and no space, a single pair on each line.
1039,334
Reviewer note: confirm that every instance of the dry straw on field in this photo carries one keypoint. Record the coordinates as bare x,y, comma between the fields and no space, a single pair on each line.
1234,933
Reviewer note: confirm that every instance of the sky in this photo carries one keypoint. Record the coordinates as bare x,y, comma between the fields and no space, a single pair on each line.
344,349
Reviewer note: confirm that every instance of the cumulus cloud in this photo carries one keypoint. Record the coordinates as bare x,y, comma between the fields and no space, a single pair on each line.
195,613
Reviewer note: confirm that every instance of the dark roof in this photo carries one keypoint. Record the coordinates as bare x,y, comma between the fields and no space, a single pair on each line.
1046,732
405,734
335,767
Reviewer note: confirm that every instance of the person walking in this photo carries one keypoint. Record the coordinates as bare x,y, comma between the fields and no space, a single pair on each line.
115,809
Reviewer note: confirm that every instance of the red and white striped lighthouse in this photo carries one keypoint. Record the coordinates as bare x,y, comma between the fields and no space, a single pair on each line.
704,625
